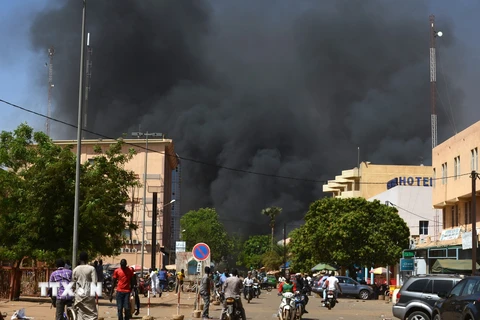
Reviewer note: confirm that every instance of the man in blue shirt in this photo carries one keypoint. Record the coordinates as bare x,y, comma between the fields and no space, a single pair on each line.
162,280
61,275
224,276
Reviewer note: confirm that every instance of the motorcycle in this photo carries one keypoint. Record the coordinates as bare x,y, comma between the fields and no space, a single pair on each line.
145,286
248,292
107,284
219,295
299,305
330,302
256,290
287,306
233,311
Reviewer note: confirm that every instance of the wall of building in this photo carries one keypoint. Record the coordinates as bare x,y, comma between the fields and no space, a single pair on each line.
414,204
372,179
158,177
457,185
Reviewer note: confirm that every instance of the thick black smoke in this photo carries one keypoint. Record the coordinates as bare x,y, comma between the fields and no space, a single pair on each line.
288,88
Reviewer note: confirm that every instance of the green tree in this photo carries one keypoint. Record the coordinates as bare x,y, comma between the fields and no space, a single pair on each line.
272,213
273,258
37,191
348,231
253,249
203,225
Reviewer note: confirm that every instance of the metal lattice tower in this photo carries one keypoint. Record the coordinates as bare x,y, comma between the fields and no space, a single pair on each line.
433,80
51,52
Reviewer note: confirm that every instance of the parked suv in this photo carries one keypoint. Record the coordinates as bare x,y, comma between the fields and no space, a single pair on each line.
417,296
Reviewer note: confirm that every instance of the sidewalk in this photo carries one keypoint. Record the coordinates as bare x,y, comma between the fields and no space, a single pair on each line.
40,308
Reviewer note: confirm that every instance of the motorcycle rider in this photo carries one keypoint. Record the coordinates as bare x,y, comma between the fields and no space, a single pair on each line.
302,287
247,282
232,288
332,284
286,286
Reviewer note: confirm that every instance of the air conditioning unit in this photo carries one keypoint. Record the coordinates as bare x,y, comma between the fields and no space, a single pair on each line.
158,243
127,250
135,241
134,250
147,242
121,250
128,242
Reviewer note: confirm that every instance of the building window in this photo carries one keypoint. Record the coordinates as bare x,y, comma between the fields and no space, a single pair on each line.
434,180
456,168
468,212
423,227
444,173
474,159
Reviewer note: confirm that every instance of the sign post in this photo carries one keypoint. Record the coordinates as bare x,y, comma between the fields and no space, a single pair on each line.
201,252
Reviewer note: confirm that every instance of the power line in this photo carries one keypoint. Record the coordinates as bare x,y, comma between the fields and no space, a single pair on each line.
200,161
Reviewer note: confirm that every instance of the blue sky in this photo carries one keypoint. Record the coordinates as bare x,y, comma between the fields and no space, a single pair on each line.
20,67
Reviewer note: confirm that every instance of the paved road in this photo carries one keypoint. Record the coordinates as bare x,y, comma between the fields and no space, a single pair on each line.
259,309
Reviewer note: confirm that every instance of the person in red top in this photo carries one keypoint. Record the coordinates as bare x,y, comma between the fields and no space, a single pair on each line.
122,278
287,286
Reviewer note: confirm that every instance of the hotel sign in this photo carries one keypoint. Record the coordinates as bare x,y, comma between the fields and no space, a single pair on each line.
450,234
410,181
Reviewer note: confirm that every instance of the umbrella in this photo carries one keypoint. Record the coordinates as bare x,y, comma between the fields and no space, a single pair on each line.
379,270
323,266
137,267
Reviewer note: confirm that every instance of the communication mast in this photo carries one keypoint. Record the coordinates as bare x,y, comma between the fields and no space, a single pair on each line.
88,73
433,79
51,52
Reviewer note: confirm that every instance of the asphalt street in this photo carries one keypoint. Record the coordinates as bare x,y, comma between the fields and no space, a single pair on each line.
262,308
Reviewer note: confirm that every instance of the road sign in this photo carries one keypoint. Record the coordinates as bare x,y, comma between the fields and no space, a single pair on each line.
201,251
407,264
408,254
199,267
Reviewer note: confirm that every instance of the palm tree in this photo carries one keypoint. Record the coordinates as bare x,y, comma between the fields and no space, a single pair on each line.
272,213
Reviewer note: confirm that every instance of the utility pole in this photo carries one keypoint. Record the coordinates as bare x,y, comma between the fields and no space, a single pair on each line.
88,76
79,140
284,247
433,79
474,177
144,204
51,52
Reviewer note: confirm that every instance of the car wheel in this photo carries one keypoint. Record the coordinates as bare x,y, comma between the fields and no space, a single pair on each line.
437,317
418,315
364,294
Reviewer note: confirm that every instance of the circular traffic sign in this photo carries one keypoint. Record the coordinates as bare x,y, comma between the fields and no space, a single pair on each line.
201,251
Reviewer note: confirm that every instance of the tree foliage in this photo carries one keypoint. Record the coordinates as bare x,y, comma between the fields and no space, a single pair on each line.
272,213
203,225
273,259
348,231
37,192
253,250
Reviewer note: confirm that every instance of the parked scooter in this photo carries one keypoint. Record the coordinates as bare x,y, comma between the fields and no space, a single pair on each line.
287,306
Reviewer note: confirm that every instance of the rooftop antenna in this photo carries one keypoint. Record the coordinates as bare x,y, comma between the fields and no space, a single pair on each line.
88,74
433,79
51,52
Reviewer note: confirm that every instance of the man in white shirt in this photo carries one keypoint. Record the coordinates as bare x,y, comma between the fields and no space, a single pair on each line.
332,284
247,283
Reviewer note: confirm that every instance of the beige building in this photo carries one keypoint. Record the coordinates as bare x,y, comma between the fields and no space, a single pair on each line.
158,179
373,179
453,161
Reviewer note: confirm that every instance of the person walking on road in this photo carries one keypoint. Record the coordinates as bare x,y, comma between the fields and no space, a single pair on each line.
122,278
83,276
61,275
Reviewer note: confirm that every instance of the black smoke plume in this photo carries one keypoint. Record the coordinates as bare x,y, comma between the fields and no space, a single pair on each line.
288,88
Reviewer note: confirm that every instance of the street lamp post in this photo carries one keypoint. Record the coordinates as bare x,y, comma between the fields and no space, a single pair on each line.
79,142
146,135
154,224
